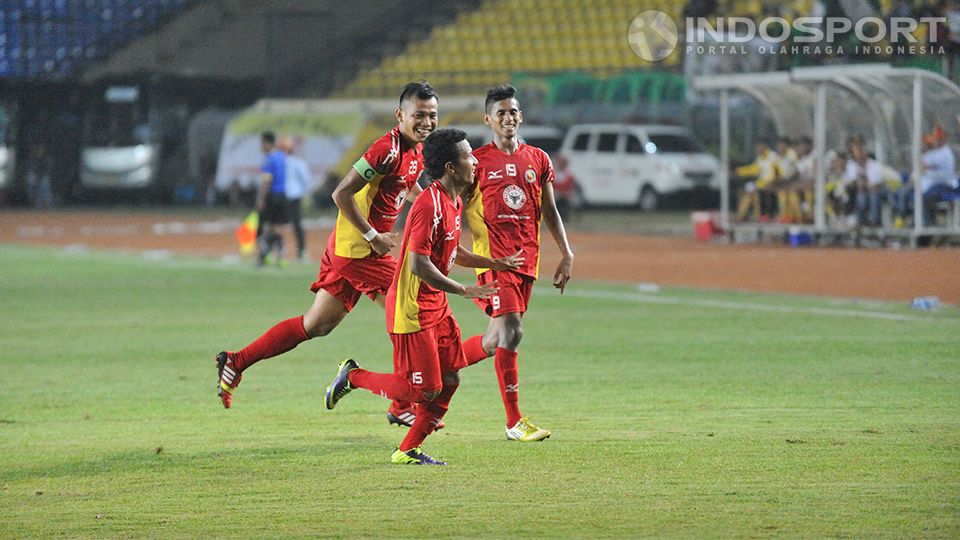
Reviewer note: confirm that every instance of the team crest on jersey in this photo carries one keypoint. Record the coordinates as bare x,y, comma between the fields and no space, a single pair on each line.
514,197
530,176
402,196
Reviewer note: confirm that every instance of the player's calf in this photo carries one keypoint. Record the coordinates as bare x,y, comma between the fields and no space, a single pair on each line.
405,416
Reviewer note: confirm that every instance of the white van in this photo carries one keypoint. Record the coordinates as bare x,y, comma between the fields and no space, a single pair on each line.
622,164
547,138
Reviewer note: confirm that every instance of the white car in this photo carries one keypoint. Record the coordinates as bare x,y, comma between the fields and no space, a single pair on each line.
547,138
623,164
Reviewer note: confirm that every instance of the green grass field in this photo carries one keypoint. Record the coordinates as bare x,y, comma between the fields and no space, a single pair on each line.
682,414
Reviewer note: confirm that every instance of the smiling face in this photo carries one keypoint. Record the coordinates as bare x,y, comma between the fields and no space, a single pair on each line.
417,118
504,117
461,171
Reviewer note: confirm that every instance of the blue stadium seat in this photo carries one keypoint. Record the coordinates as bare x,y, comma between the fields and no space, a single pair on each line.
57,37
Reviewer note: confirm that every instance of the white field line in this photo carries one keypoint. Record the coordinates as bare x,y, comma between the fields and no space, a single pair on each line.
750,306
235,264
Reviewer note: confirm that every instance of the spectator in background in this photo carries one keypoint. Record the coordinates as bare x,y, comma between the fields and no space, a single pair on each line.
564,187
866,175
939,169
934,9
297,184
806,177
837,189
700,8
788,201
953,38
900,9
764,173
39,183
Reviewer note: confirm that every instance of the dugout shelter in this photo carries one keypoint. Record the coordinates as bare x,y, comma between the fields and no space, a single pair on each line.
891,107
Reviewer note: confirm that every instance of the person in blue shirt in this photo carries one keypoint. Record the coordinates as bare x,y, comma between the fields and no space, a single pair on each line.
272,199
298,183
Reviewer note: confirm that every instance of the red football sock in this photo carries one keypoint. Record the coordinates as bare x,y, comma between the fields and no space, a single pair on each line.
388,385
281,338
398,406
473,350
506,363
429,414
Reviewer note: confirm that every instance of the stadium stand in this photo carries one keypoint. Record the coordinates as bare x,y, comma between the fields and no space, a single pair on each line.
57,38
557,36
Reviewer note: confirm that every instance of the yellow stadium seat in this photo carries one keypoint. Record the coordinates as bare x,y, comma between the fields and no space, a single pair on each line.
471,54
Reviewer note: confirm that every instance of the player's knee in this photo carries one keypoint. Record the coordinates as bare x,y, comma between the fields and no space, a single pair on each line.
451,378
320,324
490,342
429,394
511,336
317,328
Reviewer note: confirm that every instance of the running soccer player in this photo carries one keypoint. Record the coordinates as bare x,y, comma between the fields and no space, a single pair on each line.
512,192
356,261
427,354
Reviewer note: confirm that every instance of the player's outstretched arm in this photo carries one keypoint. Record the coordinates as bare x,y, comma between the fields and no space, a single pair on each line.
422,267
343,195
468,259
552,218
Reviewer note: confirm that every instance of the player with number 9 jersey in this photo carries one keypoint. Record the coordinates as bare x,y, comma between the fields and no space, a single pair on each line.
504,211
512,193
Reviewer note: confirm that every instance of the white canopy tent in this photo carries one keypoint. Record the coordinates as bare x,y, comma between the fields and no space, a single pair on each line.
891,107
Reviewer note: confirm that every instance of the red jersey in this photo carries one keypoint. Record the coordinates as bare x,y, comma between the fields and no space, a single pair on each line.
433,229
391,168
504,209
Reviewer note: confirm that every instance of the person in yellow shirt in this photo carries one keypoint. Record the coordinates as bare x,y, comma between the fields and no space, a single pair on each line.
788,181
763,170
837,189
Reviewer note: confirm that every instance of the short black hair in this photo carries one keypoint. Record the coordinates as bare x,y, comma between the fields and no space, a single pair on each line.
439,149
785,140
805,140
268,137
420,89
498,93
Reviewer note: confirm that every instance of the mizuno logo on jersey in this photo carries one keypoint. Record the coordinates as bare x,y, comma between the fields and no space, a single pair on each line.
507,388
493,175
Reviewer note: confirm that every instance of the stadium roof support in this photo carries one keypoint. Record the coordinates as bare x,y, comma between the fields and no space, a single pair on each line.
889,105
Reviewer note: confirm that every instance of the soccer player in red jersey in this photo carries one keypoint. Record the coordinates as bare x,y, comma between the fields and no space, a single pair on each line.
356,261
513,191
427,354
